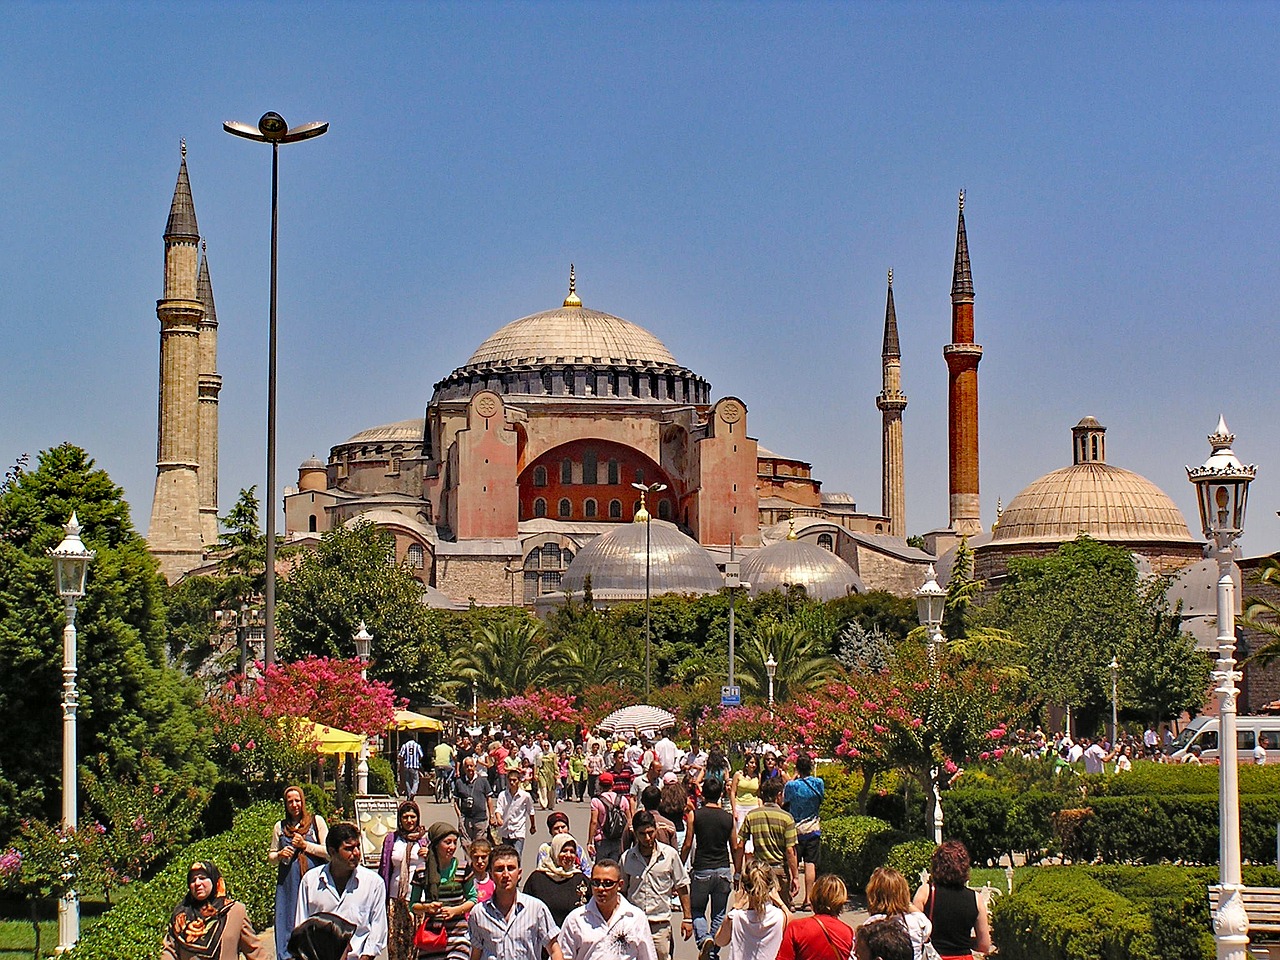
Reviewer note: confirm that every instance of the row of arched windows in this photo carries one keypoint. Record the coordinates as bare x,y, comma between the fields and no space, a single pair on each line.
591,509
590,472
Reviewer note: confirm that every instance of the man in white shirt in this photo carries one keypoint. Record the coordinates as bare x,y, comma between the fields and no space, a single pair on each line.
654,871
511,925
514,809
652,778
668,753
353,892
608,927
1260,751
1094,755
1075,753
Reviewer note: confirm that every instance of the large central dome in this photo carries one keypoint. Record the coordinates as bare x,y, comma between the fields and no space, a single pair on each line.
571,335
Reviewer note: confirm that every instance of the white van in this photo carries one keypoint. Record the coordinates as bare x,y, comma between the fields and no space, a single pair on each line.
1202,732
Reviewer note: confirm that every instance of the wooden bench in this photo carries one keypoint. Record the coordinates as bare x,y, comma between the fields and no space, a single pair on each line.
1262,904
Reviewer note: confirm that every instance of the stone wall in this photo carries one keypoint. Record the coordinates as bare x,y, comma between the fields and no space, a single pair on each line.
482,579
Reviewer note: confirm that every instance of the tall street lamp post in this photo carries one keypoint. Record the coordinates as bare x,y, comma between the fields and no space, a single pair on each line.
364,649
272,129
931,602
71,566
1222,491
1114,667
771,668
642,516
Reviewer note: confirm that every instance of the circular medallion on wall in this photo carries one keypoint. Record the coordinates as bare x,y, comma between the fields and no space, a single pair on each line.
731,411
486,405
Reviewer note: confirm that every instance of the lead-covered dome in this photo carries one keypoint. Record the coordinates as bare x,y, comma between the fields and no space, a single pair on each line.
571,335
794,562
615,562
1091,497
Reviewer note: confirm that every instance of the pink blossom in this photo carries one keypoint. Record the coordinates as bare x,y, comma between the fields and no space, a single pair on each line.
984,755
878,728
235,748
998,752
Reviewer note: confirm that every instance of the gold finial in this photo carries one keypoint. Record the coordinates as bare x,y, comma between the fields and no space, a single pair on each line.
999,512
962,201
891,276
642,515
572,300
184,149
791,529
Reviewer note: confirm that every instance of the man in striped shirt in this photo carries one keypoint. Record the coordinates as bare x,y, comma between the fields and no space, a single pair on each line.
511,925
772,833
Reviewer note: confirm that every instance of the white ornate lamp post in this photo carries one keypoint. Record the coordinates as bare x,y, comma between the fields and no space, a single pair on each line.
642,516
71,566
364,649
771,668
272,129
1222,491
931,601
1114,667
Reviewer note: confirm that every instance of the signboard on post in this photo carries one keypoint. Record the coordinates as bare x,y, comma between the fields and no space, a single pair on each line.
730,696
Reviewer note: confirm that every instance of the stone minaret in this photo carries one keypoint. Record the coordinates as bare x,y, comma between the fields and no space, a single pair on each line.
892,401
174,534
210,385
962,356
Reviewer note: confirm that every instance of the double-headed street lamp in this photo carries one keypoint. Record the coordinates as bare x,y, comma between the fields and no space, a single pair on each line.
642,516
364,650
273,130
931,602
1222,491
71,566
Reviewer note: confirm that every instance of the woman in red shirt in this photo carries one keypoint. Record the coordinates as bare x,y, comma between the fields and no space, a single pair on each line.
823,936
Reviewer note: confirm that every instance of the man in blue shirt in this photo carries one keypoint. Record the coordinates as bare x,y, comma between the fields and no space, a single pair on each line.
803,798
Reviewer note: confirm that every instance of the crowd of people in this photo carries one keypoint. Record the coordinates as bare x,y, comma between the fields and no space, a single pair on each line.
734,850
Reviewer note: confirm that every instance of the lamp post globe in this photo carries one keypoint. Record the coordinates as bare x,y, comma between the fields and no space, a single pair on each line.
272,129
364,649
1222,493
931,602
71,560
771,669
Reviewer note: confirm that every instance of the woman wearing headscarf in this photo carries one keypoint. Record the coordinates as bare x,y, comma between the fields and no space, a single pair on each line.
449,892
403,856
297,845
559,881
209,925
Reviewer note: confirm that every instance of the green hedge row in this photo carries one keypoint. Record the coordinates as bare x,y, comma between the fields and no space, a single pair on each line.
853,847
133,929
1083,913
1158,779
1117,828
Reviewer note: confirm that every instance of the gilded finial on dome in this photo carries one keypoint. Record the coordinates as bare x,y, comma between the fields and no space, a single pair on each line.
999,512
642,515
572,300
791,529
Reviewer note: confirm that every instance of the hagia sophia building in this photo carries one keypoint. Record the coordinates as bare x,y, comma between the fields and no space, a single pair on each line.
518,483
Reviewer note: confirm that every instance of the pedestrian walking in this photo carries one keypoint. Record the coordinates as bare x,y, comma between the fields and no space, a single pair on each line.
803,798
824,934
560,881
772,834
404,856
209,925
473,803
711,841
608,927
959,915
513,810
352,891
512,925
409,759
450,893
610,819
753,929
297,844
654,872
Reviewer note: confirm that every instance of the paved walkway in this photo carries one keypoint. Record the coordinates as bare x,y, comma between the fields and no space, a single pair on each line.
579,818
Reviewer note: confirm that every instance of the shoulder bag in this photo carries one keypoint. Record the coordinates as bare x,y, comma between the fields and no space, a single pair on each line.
431,937
927,950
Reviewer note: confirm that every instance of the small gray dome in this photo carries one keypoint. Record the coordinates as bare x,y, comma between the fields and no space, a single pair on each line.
615,562
312,463
823,575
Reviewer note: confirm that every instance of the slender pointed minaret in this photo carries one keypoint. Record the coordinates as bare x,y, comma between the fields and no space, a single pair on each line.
962,356
209,386
174,534
892,401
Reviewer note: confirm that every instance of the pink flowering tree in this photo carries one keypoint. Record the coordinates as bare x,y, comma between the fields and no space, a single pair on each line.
46,862
257,733
536,711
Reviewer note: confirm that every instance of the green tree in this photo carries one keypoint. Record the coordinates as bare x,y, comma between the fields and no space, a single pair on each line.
509,658
349,578
1263,613
596,650
876,610
800,655
131,703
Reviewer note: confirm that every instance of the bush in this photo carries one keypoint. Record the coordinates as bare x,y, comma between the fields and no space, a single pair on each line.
382,777
854,846
909,859
132,930
842,789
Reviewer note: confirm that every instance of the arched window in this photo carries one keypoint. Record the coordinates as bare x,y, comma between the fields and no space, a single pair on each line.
613,471
566,509
539,476
550,557
615,509
590,387
639,474
1095,448
566,556
311,524
825,542
566,470
570,381
540,507
664,509
548,382
589,509
416,556
589,472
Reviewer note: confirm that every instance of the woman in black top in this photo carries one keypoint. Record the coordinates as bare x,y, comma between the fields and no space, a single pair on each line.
711,837
959,915
559,881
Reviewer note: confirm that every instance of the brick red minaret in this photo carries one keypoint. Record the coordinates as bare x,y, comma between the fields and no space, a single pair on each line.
962,356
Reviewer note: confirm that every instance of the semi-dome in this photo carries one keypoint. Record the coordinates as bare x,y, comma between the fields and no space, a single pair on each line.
1091,497
793,562
401,431
615,562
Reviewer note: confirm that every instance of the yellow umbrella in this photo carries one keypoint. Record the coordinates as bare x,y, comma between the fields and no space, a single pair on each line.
332,740
408,720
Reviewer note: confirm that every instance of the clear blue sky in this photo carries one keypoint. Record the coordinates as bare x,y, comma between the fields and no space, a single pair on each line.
737,178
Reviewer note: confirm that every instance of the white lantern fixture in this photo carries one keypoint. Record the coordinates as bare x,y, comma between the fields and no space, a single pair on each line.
1222,486
71,561
364,642
931,601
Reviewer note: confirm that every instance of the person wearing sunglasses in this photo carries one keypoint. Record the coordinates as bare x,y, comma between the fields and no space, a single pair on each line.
608,927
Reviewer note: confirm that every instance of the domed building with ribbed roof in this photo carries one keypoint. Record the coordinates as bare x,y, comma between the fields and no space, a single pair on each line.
1091,497
792,562
530,452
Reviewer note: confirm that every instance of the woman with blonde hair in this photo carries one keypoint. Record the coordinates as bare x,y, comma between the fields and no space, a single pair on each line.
889,898
823,935
754,927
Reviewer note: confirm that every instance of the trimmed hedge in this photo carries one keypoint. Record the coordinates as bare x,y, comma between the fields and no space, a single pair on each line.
994,823
133,929
853,847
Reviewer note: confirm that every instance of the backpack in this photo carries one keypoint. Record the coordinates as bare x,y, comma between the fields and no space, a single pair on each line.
615,819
